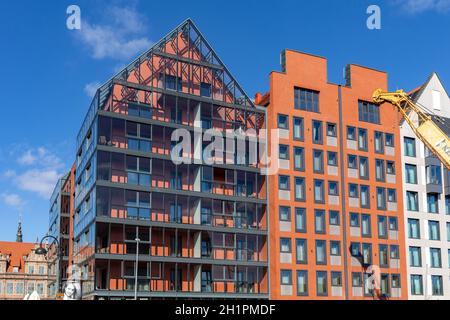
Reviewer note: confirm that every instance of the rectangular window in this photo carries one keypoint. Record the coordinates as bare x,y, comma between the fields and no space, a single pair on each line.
283,152
383,251
319,191
333,188
285,245
300,189
409,147
392,195
334,218
390,167
302,251
389,139
354,220
411,174
336,279
437,288
321,252
299,129
299,159
319,222
393,223
416,285
369,112
379,142
362,139
351,133
205,89
283,122
283,183
379,170
367,253
318,161
433,230
435,258
285,214
286,277
395,252
305,99
363,168
352,162
448,233
413,229
381,198
332,159
365,196
335,248
300,220
322,283
353,190
432,202
302,283
366,227
356,280
395,281
412,201
434,175
355,249
331,130
317,132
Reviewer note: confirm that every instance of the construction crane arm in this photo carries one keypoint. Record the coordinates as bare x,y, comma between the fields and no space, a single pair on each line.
423,125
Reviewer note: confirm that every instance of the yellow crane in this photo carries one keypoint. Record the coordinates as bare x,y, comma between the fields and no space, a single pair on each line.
424,127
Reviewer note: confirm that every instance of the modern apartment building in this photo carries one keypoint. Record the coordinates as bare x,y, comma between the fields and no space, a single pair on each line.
427,201
144,225
336,211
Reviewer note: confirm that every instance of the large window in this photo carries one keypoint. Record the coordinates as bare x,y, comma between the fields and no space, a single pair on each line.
381,198
434,175
432,202
416,285
366,229
302,283
410,147
318,161
307,100
369,112
299,129
379,170
321,252
433,230
382,227
379,143
299,159
437,288
411,174
435,258
317,132
414,228
363,168
364,196
362,139
300,220
319,191
412,201
320,224
300,189
322,283
302,251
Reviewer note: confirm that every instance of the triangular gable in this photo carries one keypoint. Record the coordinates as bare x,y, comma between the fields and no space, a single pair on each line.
183,44
423,96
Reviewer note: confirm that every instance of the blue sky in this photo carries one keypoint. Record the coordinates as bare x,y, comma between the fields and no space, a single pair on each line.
49,72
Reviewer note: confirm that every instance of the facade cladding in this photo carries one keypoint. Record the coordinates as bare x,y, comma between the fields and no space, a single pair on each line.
427,202
196,230
336,206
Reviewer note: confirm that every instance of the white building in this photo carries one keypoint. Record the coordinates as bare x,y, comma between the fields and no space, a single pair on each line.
426,187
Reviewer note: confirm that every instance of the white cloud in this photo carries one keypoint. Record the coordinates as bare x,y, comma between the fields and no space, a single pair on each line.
120,37
12,200
41,182
41,157
27,158
9,173
419,6
91,88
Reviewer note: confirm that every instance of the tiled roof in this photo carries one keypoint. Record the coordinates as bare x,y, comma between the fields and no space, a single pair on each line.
16,252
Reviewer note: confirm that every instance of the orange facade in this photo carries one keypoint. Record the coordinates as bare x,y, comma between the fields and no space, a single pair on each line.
310,206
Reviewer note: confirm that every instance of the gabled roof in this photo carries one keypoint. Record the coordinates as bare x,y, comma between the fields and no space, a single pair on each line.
16,251
417,92
196,38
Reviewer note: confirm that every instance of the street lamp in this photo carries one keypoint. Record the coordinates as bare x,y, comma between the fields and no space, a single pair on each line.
43,251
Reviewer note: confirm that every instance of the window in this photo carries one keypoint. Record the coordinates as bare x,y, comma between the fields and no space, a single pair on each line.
321,252
335,248
285,214
435,258
351,133
331,130
299,129
317,132
19,288
299,159
205,89
434,175
379,170
333,188
432,202
379,143
9,288
436,286
369,112
411,174
363,168
319,191
283,121
352,162
448,232
416,285
283,152
336,279
362,139
355,249
389,139
382,227
307,100
300,193
415,257
354,220
390,167
285,245
353,190
384,285
322,283
366,228
365,196
334,218
367,253
356,280
318,161
392,195
283,183
302,251
300,220
332,159
286,277
319,222
409,147
433,230
413,229
393,223
412,201
41,270
383,251
30,269
381,198
302,283
395,252
395,281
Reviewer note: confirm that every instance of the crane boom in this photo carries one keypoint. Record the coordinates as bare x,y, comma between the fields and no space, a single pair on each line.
424,127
